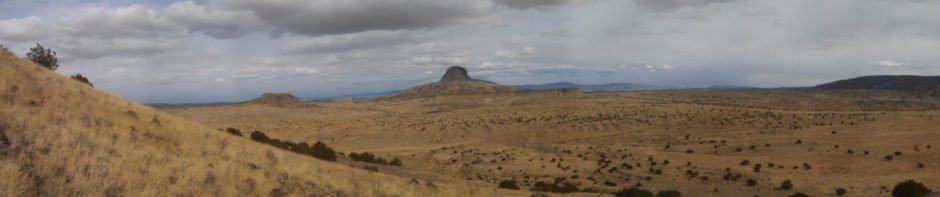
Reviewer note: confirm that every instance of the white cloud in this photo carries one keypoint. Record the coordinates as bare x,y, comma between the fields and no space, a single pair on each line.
22,29
888,63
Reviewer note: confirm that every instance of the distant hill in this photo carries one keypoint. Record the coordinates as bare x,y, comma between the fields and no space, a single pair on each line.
595,87
729,87
455,81
277,100
887,82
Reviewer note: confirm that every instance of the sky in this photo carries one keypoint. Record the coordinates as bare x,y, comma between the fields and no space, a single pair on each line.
166,51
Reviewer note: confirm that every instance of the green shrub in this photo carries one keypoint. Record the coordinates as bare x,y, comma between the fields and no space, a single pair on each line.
799,194
634,192
260,137
787,185
371,168
560,186
80,78
321,151
395,162
910,188
43,56
4,141
841,191
508,184
668,193
233,131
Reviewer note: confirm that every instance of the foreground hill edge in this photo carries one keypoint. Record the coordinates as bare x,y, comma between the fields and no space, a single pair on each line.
69,139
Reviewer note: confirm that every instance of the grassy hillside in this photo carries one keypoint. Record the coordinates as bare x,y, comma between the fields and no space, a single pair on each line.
69,139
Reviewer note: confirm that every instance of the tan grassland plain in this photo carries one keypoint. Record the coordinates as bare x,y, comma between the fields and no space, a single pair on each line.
693,141
69,139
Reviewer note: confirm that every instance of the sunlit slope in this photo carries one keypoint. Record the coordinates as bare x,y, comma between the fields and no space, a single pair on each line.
69,139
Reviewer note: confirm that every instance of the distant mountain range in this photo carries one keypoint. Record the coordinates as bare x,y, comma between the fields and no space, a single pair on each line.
610,87
925,84
887,82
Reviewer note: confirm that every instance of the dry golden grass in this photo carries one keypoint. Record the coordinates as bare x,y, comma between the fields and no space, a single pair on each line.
490,138
69,139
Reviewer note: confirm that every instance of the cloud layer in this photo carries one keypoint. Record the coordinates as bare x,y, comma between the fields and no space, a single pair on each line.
230,50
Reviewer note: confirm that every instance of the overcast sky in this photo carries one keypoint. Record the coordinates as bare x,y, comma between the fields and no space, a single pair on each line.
233,50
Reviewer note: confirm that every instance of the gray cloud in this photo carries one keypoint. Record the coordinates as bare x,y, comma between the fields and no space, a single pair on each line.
671,5
93,48
215,50
351,42
22,29
129,21
526,4
322,17
213,21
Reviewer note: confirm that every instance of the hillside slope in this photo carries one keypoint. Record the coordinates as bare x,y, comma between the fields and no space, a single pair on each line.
69,139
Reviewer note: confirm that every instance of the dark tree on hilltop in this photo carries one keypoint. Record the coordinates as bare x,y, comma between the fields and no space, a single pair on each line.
82,79
44,57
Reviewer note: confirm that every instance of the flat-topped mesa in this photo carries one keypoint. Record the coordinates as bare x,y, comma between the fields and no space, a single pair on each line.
455,73
455,81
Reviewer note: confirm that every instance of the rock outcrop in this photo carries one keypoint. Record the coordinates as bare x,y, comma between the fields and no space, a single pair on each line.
455,81
456,73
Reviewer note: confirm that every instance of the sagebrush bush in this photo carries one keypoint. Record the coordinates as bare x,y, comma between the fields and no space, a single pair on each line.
668,193
559,186
395,162
787,185
508,184
260,137
80,78
799,194
910,188
233,131
841,191
634,192
4,141
321,151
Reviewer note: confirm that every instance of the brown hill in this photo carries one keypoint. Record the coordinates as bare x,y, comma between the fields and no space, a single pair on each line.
69,139
455,81
278,100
